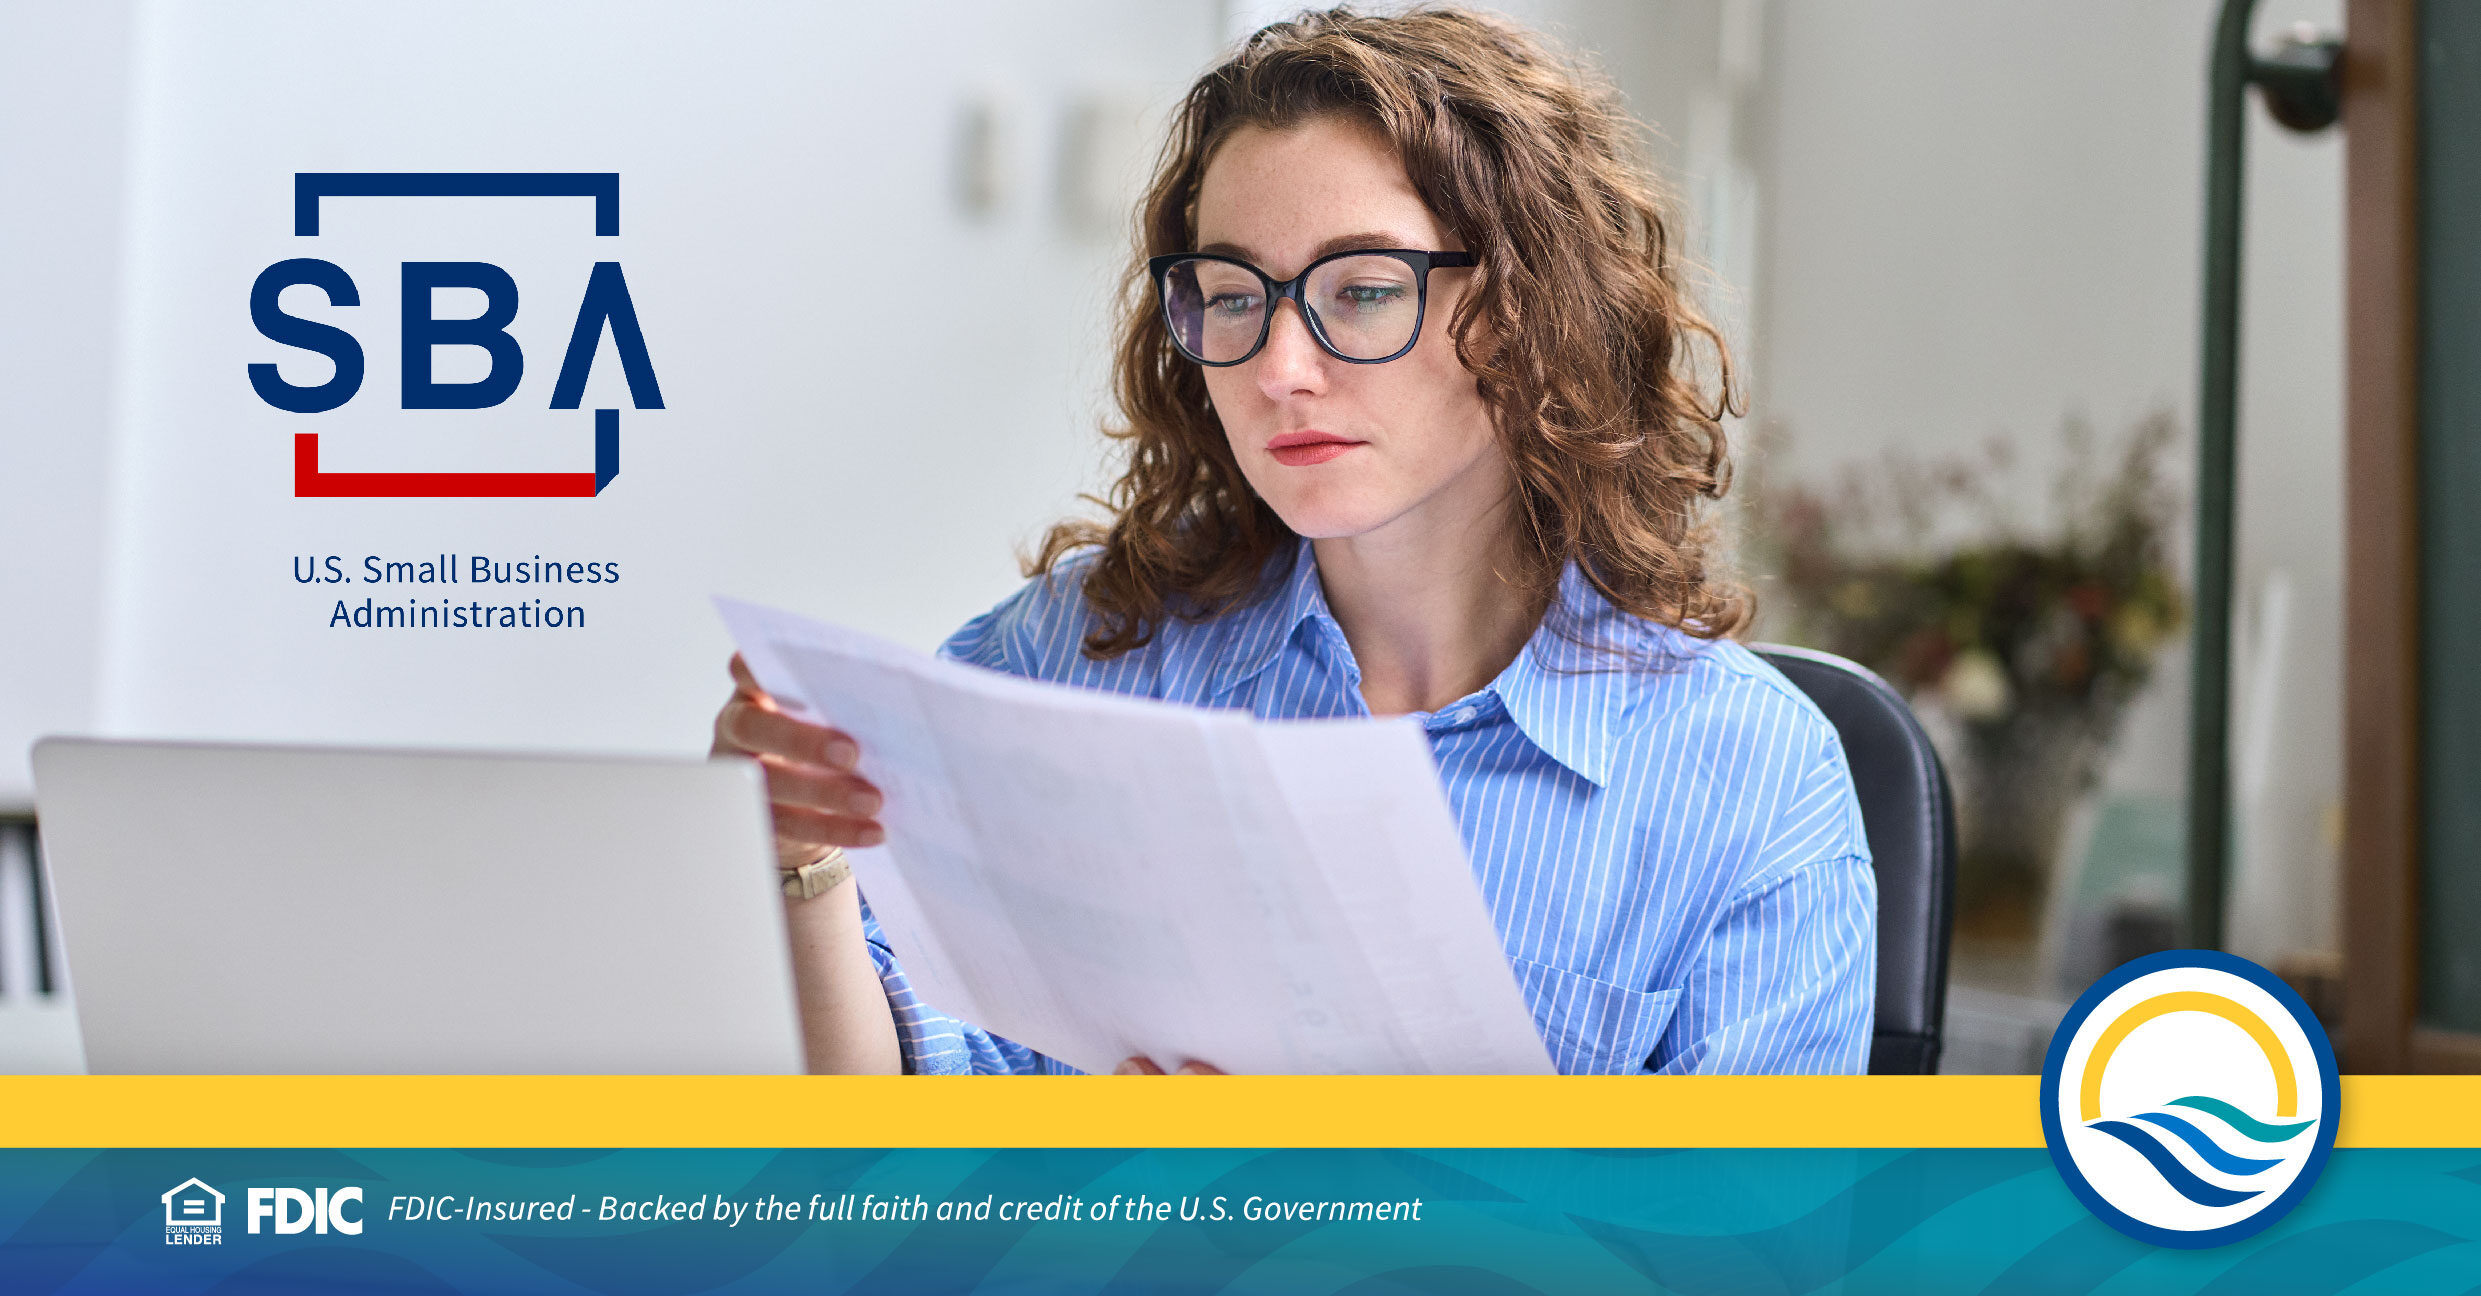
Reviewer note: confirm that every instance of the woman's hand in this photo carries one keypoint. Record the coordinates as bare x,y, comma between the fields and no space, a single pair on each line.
1146,1066
817,798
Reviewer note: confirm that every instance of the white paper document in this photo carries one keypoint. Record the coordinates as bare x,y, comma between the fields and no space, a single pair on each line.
1101,877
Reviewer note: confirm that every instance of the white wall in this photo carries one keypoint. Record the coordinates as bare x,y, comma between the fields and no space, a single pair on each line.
63,93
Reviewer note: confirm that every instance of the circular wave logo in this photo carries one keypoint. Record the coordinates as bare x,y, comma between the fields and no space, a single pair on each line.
2190,1098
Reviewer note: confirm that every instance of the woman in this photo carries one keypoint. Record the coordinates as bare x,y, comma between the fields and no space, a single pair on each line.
1414,428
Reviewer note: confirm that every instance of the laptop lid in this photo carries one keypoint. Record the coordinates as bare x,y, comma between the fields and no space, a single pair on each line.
252,909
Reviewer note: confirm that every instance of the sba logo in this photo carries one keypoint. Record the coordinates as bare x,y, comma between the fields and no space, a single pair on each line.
606,307
2190,1099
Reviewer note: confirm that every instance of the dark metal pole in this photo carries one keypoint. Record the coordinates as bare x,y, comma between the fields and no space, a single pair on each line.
2302,85
2209,681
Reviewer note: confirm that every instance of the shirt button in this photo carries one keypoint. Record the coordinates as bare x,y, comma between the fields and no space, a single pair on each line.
1461,715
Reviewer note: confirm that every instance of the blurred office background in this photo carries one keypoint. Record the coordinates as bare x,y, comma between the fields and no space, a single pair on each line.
1931,226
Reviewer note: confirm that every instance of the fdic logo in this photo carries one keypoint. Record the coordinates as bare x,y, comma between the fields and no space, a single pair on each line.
194,1212
2190,1099
606,304
290,1210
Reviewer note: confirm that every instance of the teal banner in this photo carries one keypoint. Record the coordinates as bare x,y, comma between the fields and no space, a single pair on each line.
1472,1222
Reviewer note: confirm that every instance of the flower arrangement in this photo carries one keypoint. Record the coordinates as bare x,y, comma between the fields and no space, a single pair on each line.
2032,642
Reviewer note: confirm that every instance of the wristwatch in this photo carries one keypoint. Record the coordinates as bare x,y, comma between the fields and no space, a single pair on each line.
818,877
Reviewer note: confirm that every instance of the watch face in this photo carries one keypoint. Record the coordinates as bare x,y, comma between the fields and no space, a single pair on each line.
818,878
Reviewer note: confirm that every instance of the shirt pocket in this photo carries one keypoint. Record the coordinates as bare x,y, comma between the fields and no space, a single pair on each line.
1593,1027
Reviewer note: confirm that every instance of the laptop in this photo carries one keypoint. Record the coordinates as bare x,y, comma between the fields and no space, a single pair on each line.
269,909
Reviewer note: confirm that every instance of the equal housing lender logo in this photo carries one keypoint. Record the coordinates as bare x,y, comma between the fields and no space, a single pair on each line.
193,1215
2190,1099
606,306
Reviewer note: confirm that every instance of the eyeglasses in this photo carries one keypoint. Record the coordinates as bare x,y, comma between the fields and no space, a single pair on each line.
1362,307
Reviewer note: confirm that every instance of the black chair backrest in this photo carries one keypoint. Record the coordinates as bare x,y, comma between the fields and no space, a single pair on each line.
1910,818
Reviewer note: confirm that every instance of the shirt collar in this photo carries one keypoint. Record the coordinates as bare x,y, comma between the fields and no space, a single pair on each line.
1255,634
1566,692
1570,690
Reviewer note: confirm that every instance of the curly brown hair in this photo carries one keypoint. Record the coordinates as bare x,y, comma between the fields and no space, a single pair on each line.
1577,329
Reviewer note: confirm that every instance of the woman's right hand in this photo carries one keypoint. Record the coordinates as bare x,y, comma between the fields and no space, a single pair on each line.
817,797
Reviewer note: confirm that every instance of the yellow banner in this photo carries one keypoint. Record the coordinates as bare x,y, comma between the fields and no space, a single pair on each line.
1108,1111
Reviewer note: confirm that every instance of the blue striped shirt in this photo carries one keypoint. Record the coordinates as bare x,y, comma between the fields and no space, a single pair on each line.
1671,849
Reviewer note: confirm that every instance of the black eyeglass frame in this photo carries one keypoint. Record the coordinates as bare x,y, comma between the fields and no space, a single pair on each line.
1422,264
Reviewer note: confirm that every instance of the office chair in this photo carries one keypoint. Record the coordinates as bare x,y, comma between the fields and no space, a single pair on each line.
1910,819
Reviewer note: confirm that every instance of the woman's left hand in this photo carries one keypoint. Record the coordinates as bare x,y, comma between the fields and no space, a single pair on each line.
1146,1066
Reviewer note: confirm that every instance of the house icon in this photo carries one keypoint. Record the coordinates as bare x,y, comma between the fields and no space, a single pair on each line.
193,1202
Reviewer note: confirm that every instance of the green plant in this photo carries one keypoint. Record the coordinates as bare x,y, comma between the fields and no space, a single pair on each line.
2033,641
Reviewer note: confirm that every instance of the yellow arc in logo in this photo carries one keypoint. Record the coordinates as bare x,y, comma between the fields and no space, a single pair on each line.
2286,1085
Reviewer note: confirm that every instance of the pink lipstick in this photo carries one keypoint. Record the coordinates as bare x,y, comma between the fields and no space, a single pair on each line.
1301,449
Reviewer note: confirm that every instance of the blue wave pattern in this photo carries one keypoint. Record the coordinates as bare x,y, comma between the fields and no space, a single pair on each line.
2207,1149
2151,1140
1496,1222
